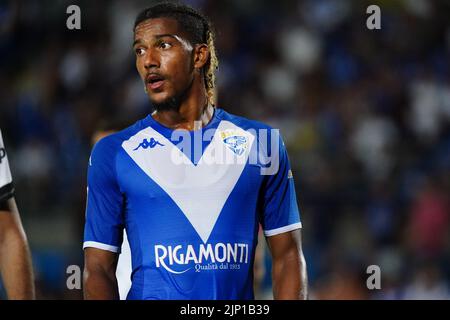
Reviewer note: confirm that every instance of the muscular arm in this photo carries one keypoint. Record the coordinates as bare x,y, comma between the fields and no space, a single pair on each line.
15,259
289,276
100,282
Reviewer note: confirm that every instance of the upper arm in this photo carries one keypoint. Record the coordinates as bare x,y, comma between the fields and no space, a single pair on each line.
105,202
289,273
98,260
10,223
286,245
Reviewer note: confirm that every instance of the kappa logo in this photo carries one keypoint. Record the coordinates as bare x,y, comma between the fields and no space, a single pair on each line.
145,144
237,143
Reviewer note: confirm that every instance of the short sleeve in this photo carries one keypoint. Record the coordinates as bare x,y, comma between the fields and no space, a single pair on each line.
6,185
104,208
280,209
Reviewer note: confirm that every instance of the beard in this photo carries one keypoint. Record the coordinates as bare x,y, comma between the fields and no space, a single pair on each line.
172,103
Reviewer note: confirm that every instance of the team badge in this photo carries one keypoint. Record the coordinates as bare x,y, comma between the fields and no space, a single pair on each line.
235,142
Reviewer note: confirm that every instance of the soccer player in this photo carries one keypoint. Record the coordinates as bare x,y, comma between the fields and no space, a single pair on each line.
191,209
15,259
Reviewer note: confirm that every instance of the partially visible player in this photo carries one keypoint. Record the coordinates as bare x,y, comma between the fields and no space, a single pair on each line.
15,259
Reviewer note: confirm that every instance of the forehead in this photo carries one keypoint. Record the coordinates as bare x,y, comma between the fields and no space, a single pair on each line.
156,26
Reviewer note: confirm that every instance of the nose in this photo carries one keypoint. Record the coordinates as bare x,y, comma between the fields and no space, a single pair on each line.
151,59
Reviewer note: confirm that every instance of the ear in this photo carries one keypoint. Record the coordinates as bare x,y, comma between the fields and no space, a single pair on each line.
201,55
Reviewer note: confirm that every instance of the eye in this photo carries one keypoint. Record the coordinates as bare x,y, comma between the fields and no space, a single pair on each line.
139,51
165,45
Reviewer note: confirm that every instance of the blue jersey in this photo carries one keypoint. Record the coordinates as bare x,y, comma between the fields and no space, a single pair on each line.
191,203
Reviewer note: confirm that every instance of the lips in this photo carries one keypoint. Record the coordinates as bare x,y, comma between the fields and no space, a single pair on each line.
154,81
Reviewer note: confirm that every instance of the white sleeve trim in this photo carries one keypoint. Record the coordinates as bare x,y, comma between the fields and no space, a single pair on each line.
99,245
287,228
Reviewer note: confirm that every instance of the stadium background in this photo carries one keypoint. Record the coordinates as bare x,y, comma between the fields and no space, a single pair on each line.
365,115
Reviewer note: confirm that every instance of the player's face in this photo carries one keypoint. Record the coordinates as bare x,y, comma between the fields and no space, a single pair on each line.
163,59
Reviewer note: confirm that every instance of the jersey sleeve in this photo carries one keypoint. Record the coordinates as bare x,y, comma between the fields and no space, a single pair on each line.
280,209
104,208
6,185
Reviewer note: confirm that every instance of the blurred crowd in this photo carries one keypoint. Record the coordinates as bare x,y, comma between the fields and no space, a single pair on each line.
365,115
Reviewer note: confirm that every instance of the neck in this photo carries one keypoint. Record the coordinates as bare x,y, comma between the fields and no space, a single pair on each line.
194,112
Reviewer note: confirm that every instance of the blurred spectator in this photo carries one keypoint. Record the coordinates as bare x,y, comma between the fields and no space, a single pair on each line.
429,222
427,283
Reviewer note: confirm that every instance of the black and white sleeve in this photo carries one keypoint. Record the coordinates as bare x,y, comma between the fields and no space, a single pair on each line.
6,185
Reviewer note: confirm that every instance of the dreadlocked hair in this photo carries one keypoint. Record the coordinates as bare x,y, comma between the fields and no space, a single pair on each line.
210,69
198,29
